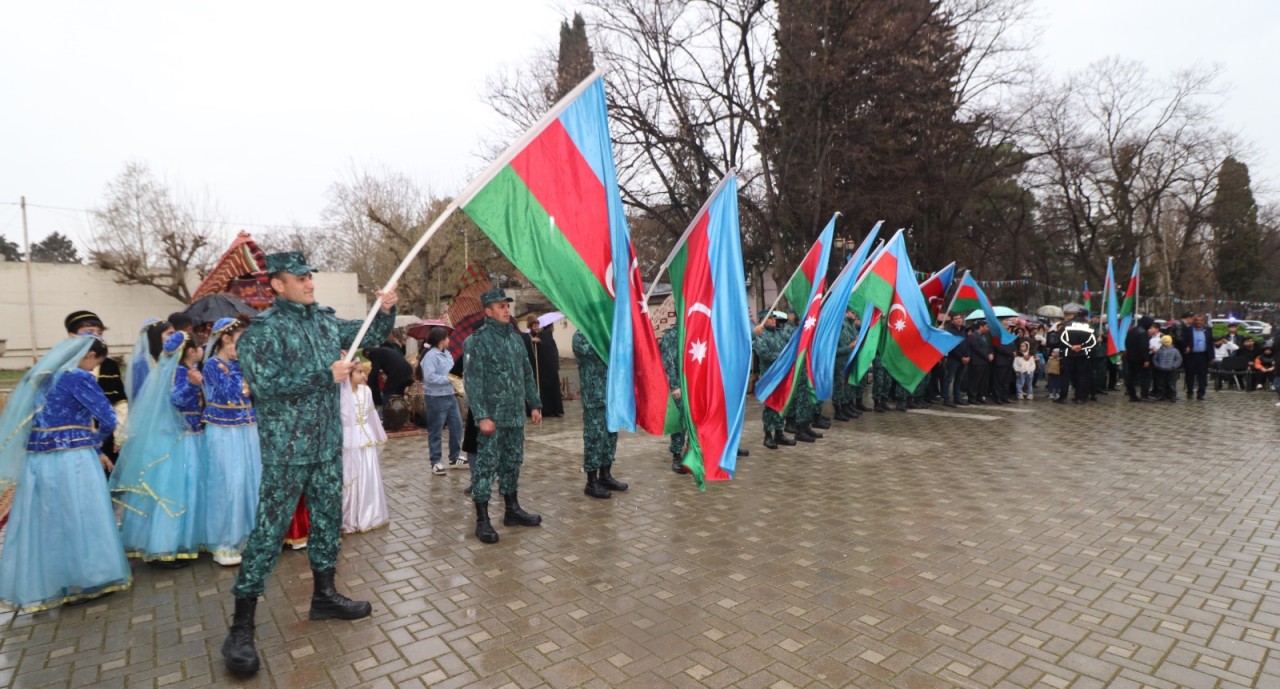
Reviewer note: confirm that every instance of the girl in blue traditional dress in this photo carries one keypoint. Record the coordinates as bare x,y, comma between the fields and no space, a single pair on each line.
146,351
158,477
233,466
62,545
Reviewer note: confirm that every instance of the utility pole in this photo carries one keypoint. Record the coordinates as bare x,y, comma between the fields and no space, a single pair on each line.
31,295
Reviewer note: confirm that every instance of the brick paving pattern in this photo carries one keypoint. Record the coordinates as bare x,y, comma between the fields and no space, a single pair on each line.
1109,545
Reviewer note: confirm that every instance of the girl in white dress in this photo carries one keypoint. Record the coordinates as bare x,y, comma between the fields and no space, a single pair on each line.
364,504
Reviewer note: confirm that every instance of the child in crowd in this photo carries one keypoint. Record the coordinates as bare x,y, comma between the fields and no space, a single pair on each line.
1024,364
441,401
62,545
1166,361
1053,373
1264,367
158,479
233,470
364,504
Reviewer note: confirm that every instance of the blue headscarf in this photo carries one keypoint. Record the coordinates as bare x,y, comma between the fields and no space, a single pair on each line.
28,398
156,429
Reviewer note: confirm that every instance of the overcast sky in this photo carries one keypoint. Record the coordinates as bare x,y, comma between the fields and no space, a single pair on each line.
264,105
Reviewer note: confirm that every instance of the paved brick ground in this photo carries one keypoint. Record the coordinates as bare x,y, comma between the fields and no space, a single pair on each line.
1110,545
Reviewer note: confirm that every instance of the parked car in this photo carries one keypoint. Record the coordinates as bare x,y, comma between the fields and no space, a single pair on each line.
1252,327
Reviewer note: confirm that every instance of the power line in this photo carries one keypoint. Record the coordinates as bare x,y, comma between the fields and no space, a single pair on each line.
90,212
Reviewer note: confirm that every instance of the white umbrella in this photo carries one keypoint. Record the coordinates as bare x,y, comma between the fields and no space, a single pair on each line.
548,318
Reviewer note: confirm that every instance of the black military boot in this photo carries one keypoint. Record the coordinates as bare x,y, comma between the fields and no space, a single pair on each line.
805,434
609,482
782,439
820,421
789,426
880,406
678,466
769,441
841,414
594,489
238,651
852,411
484,530
515,516
327,603
860,406
901,405
743,452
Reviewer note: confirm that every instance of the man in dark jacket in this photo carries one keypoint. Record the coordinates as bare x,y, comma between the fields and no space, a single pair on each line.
979,368
1137,360
1196,355
1001,371
953,371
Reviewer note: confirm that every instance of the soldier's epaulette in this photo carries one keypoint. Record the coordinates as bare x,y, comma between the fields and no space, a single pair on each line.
325,309
265,315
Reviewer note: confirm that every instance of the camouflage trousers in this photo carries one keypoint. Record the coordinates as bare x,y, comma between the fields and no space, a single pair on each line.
598,444
802,402
772,421
282,485
676,446
884,385
842,391
499,456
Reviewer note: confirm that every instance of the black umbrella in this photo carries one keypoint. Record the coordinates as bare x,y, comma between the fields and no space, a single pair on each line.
209,309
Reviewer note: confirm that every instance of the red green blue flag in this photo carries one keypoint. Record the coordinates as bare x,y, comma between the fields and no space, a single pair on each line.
554,210
1115,329
1129,305
935,288
912,345
826,341
970,297
714,325
777,384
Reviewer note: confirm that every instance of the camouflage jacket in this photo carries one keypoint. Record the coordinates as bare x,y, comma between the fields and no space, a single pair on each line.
844,347
285,355
669,346
768,345
498,377
593,373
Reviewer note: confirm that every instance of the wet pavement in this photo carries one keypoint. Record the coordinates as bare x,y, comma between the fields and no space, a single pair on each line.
1033,545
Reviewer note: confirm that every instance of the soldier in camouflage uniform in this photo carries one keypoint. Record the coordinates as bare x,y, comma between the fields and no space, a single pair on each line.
767,343
499,381
842,397
885,386
669,346
598,444
291,356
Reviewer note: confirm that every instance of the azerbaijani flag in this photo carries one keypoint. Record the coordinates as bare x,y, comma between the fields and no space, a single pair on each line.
1115,335
551,205
876,284
776,385
970,297
1130,304
936,287
913,344
1086,295
831,319
714,325
867,346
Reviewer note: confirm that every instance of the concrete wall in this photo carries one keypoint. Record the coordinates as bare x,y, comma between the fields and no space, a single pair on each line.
60,289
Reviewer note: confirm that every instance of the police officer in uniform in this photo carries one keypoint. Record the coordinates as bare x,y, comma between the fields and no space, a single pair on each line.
291,357
598,444
669,347
499,382
767,342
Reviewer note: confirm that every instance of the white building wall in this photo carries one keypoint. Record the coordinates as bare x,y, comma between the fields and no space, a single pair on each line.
60,289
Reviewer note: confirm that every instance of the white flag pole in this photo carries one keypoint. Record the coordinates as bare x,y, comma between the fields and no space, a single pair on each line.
469,193
689,230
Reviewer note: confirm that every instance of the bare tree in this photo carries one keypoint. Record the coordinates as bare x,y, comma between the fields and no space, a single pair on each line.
146,236
1131,168
375,217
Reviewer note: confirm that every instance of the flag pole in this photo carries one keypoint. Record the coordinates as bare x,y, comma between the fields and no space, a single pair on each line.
469,193
957,294
706,205
777,300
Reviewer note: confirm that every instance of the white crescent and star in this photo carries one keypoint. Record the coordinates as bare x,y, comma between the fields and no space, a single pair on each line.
698,348
900,324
